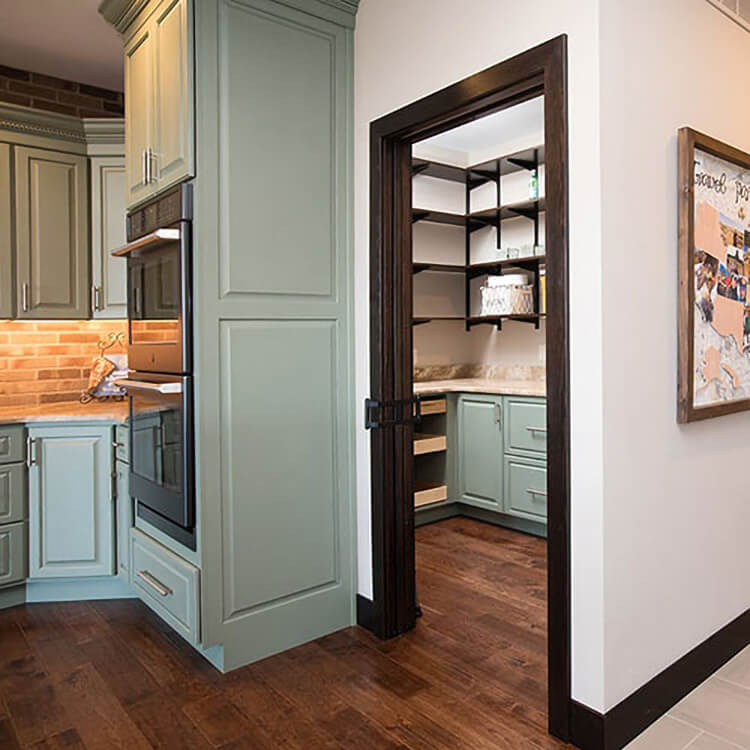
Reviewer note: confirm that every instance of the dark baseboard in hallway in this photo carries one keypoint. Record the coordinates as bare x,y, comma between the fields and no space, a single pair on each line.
591,730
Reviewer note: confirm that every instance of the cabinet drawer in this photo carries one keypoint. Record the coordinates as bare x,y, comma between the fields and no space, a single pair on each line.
12,444
526,426
122,443
13,502
13,555
526,488
166,582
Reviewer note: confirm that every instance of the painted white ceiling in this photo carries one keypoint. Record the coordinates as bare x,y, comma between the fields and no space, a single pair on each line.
63,38
511,126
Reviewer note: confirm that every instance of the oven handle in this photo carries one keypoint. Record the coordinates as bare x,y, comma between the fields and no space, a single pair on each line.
159,237
141,385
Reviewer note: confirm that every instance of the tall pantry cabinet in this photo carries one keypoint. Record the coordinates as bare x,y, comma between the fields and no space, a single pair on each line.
253,98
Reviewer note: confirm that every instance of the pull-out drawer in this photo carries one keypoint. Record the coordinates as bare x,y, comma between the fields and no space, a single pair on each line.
526,488
526,426
122,443
13,495
166,582
12,444
13,554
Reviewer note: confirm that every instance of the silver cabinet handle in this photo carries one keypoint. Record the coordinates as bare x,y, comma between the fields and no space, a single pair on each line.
150,156
29,451
155,583
536,429
98,298
144,168
117,444
541,493
25,296
142,385
498,413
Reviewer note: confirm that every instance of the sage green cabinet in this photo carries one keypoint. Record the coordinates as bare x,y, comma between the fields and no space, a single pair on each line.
13,556
525,488
159,132
71,509
13,500
52,234
480,451
6,252
124,519
525,426
108,273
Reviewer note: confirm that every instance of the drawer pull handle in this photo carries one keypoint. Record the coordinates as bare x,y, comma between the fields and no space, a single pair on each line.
536,429
542,493
116,444
155,584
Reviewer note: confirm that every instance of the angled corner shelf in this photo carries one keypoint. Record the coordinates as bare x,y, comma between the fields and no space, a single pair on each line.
438,268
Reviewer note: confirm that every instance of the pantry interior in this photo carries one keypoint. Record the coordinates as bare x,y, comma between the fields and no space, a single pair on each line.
479,289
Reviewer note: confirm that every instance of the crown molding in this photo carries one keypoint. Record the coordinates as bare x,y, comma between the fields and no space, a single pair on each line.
44,124
104,130
121,13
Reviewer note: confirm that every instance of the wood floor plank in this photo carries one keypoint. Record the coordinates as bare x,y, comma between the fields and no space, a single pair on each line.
471,676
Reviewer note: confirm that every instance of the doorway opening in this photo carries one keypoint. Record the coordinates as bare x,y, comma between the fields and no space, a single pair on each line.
509,468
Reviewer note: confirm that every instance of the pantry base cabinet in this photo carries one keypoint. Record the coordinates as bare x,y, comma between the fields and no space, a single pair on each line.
71,509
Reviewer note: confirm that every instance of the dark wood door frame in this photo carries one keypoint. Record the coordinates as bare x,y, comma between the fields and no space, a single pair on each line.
542,70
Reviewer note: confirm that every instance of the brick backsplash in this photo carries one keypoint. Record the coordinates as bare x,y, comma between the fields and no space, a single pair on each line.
58,95
49,361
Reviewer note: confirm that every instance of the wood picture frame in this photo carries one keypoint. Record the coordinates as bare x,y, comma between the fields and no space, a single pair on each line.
718,210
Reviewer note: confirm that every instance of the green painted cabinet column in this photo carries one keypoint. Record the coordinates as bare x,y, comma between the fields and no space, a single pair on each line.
71,510
480,457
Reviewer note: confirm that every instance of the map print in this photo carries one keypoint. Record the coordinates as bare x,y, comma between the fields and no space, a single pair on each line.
722,269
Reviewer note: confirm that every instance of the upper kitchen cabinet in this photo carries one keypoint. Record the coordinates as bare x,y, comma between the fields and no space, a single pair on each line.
6,263
52,236
109,273
159,137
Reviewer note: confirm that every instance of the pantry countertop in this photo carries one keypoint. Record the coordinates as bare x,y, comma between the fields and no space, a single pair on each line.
480,385
107,411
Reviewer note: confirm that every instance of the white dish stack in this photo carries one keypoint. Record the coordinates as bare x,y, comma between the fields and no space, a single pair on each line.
507,295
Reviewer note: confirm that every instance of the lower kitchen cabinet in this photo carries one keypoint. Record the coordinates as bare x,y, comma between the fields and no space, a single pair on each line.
480,451
526,488
12,553
124,519
71,509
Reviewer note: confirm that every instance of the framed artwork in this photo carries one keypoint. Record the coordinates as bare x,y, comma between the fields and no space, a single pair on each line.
714,268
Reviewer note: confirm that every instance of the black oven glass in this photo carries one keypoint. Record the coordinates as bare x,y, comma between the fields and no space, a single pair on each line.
157,460
155,299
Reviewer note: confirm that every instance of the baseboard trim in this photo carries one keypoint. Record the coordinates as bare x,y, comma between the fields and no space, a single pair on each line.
591,730
365,613
12,596
77,589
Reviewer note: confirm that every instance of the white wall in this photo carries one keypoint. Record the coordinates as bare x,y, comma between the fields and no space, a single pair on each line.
400,56
677,506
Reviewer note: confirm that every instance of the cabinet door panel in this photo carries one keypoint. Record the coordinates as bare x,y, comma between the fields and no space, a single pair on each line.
12,493
173,135
124,519
6,263
139,112
52,247
12,553
480,451
108,233
526,488
70,502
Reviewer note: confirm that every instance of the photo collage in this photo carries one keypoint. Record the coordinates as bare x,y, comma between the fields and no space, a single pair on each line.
729,278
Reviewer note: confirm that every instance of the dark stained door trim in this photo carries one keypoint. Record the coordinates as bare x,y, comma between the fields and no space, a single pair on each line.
542,70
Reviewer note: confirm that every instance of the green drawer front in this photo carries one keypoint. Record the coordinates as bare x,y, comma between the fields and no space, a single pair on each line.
166,582
13,503
526,488
12,444
13,554
122,443
526,426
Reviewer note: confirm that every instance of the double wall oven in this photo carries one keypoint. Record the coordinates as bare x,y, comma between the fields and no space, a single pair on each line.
160,362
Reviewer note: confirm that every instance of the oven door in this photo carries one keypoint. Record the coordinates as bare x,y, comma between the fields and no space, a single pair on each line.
159,305
161,445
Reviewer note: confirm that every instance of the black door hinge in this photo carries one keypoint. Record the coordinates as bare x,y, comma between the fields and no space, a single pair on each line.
391,413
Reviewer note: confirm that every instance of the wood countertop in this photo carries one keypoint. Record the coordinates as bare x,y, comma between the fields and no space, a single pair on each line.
107,411
478,385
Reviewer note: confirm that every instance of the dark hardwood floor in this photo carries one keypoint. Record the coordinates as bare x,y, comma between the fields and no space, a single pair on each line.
111,675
